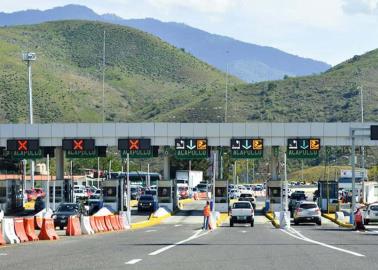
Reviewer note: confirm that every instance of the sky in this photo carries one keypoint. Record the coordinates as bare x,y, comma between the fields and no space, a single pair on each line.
327,30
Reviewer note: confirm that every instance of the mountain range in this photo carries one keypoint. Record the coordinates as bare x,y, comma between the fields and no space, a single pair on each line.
248,62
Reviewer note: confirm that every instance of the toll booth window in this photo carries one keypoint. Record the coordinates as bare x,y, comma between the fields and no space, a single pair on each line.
332,192
110,194
220,192
164,192
275,192
58,190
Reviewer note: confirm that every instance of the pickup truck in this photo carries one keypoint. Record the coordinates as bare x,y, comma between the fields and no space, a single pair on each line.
242,212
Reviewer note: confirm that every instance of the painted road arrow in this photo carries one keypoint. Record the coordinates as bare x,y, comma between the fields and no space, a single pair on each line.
304,146
246,145
191,146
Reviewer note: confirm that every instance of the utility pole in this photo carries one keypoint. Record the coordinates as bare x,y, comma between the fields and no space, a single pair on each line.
103,79
362,147
28,57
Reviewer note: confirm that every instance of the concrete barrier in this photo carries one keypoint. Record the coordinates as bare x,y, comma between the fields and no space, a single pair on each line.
124,220
93,224
29,229
85,225
48,230
19,229
340,216
8,231
73,226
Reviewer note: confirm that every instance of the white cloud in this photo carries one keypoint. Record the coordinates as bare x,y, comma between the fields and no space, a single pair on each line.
360,6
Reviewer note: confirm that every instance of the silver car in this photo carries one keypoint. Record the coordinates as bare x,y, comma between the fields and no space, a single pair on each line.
371,213
307,212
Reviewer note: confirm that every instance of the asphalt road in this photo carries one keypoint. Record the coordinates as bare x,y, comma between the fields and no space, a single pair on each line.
179,244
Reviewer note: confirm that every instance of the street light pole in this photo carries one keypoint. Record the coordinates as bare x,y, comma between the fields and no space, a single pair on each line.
28,57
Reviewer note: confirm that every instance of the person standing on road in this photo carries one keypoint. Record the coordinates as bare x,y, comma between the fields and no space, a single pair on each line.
206,216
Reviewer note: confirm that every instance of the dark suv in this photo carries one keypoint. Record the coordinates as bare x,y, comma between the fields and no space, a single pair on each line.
147,202
294,199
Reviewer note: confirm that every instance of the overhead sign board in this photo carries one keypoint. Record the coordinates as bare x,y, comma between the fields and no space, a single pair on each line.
136,148
303,148
191,148
247,148
79,148
23,149
78,144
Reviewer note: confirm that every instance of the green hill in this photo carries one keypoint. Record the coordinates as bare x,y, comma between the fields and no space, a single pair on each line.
149,80
145,77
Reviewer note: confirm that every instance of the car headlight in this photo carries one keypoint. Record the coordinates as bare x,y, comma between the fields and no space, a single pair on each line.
150,204
53,216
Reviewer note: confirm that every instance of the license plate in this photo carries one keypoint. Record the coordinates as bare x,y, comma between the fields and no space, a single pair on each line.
242,218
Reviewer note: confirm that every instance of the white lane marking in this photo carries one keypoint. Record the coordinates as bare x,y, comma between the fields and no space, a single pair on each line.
178,225
3,254
195,236
134,261
151,230
243,231
299,236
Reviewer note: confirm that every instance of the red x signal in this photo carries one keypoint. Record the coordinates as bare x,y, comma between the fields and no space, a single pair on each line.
22,145
78,145
133,144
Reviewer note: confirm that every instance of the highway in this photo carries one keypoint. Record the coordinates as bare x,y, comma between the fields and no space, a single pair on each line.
179,243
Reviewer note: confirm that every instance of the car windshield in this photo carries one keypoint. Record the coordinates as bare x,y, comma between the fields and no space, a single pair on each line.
246,195
146,198
242,205
308,206
94,197
67,208
374,207
297,197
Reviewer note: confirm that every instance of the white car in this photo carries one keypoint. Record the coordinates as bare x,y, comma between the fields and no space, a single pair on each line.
79,193
307,212
371,214
234,194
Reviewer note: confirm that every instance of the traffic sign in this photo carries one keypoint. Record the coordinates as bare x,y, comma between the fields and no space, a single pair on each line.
303,148
137,148
23,149
78,144
191,148
247,148
23,145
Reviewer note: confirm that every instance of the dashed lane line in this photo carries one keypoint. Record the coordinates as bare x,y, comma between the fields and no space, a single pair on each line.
198,234
134,261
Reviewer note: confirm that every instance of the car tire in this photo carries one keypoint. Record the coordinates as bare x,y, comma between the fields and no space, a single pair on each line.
296,222
231,223
252,223
366,222
319,222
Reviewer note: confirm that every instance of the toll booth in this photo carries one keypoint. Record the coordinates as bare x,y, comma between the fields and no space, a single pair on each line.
165,194
221,196
112,194
328,200
11,196
274,195
59,192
